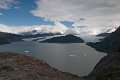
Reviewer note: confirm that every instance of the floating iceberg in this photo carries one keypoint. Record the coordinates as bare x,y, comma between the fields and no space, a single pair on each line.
26,51
72,55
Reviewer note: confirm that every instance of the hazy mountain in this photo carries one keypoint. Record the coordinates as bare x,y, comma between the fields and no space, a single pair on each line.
3,41
9,37
104,34
64,39
110,44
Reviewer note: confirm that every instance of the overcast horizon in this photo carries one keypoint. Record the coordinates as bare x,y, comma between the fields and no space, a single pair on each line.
72,16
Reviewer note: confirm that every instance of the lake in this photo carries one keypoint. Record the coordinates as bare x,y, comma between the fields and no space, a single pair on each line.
76,58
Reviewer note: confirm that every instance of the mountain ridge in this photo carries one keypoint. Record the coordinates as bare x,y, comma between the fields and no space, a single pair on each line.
64,39
6,38
109,44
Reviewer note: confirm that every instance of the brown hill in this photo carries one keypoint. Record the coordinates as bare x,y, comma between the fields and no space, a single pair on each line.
20,67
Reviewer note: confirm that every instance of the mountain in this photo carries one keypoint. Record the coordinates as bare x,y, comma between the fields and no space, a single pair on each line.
108,68
3,41
6,38
36,33
110,30
110,44
20,67
64,39
104,34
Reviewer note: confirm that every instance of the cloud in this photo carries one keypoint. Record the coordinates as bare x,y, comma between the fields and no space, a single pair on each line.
1,14
58,27
6,4
67,10
96,13
10,29
16,7
89,16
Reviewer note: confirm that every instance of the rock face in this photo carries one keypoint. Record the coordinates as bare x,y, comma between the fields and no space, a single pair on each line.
20,67
6,38
110,44
107,69
64,39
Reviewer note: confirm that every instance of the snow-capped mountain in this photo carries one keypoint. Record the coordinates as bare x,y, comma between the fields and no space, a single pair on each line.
110,30
107,32
36,32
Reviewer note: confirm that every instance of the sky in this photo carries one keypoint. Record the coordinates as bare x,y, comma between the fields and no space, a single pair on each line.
65,16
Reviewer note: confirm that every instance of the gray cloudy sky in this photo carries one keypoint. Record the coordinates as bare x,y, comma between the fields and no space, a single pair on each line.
60,10
96,12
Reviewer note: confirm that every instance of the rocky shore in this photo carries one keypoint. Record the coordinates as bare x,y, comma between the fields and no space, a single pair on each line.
20,67
15,66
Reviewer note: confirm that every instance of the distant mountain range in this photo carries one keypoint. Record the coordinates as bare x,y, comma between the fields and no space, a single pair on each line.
6,38
110,44
38,35
64,39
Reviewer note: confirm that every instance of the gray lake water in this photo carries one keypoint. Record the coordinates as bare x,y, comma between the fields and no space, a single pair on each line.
76,58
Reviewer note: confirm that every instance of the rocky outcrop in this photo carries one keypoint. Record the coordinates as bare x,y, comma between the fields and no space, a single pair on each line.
64,39
20,67
107,69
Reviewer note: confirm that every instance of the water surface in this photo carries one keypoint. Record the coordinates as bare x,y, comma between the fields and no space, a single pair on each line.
76,58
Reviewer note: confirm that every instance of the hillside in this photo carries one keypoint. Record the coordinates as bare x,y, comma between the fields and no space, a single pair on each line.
64,39
104,34
20,67
6,38
110,44
3,41
107,69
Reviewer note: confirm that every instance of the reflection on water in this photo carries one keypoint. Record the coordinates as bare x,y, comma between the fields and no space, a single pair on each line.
76,58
